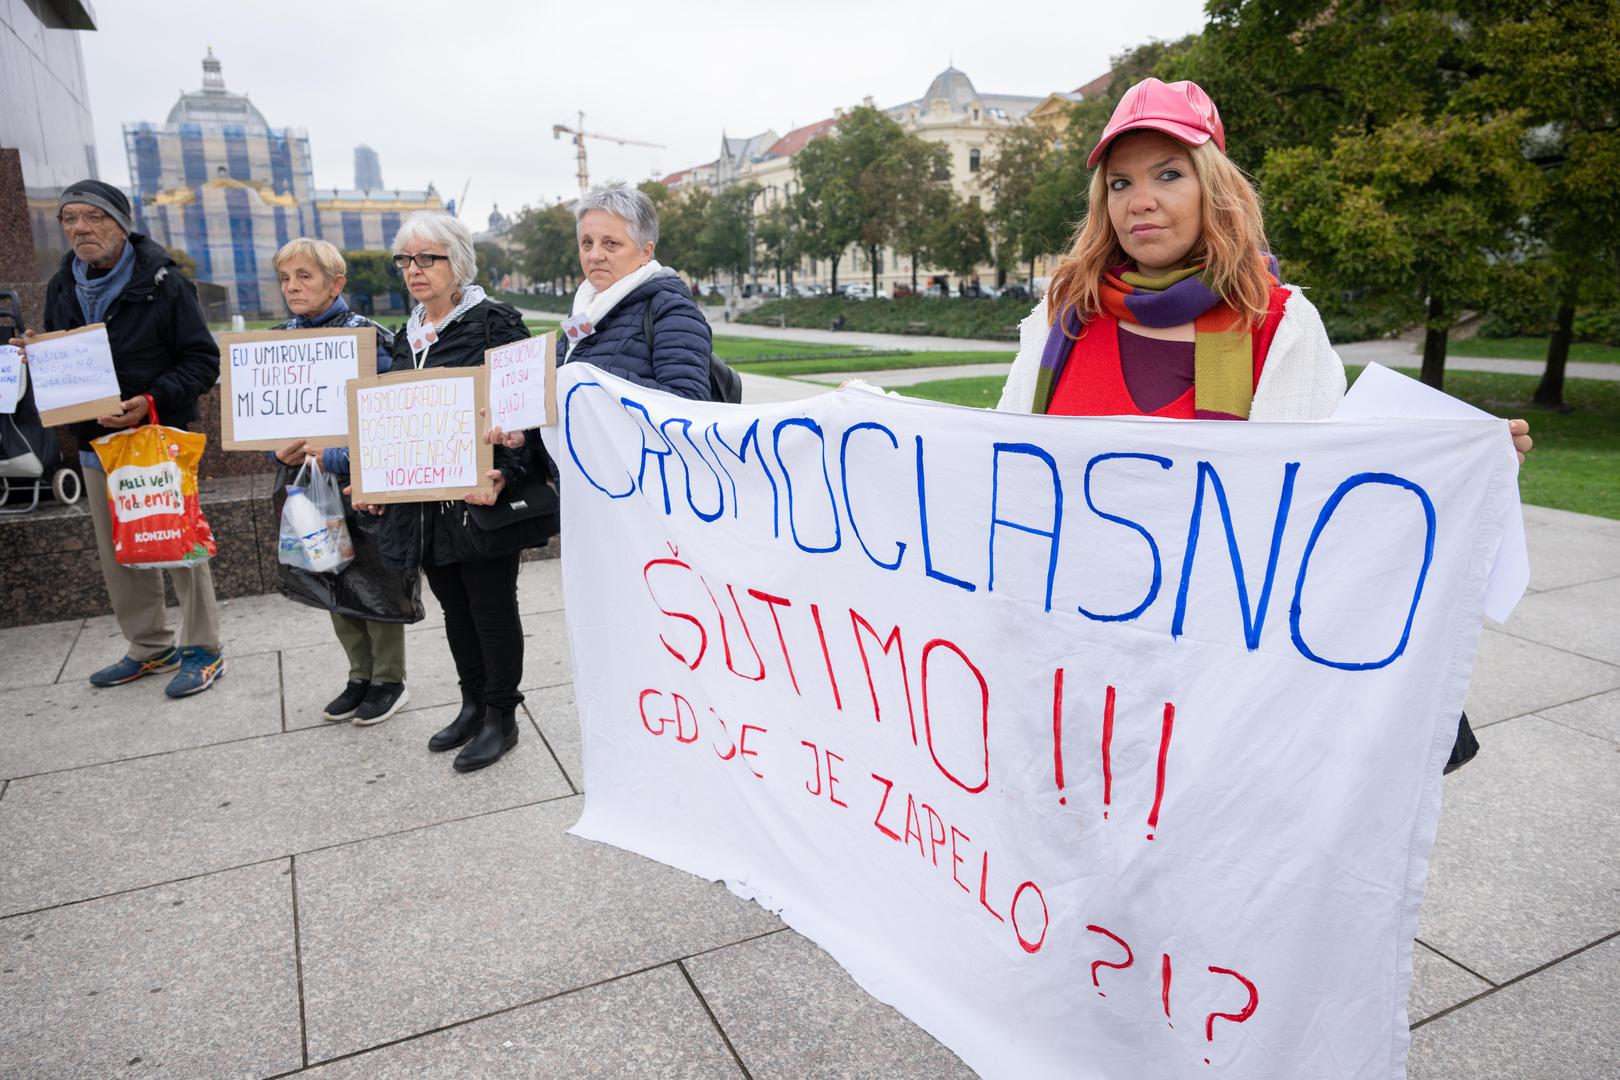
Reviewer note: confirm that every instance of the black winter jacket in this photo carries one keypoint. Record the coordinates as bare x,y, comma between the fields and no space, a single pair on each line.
449,533
160,341
682,343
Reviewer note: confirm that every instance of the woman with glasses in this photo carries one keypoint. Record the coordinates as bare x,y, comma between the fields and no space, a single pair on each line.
470,555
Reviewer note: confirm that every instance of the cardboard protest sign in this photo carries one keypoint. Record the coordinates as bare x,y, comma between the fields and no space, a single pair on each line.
1100,748
72,374
416,436
11,369
523,383
281,385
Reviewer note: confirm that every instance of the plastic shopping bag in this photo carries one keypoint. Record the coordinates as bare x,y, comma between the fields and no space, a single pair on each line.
314,534
157,519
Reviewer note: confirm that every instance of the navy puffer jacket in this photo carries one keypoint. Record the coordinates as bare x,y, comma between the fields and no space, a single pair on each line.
679,360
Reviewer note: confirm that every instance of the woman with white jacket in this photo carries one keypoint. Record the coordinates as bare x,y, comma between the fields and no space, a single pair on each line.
1168,304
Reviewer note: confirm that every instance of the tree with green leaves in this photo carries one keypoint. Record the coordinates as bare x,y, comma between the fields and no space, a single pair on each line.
826,203
370,273
1560,64
774,231
682,216
549,246
962,238
727,239
1415,214
1020,157
494,263
866,184
920,196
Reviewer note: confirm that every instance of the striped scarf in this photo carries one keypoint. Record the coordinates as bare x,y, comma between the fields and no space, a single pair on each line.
1223,342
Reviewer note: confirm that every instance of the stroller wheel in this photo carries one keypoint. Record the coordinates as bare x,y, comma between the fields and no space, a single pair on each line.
5,490
66,486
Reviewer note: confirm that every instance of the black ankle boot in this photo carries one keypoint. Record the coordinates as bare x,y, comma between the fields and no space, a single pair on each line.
498,735
462,728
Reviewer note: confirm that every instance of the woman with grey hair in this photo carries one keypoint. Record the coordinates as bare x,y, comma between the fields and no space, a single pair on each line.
469,553
626,294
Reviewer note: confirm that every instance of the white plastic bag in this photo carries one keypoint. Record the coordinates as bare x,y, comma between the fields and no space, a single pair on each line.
314,534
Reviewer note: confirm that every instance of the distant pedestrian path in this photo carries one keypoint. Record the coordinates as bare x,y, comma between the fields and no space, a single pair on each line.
1396,354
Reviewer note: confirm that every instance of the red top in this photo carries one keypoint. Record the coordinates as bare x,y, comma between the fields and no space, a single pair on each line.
1094,381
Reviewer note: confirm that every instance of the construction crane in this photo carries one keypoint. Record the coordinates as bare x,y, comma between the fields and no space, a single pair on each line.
580,135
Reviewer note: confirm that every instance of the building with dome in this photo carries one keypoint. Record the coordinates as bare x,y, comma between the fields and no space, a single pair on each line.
952,111
216,181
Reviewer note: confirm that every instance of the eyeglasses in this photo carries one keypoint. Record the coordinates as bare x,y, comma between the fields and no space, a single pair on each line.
91,218
424,259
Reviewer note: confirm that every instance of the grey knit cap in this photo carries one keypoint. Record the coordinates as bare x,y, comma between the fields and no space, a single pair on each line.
102,196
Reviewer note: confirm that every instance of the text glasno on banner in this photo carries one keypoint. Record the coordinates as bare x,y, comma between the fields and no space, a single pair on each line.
1056,733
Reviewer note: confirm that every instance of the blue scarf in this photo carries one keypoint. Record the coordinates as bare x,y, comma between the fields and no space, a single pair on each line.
334,314
96,295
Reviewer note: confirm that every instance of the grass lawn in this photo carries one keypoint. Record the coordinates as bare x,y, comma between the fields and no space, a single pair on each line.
874,361
1533,348
737,350
1573,467
252,324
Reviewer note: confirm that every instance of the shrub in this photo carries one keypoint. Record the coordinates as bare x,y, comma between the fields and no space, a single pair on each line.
1601,326
560,305
953,317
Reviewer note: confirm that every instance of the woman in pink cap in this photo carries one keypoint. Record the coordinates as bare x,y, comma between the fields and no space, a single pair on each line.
1168,304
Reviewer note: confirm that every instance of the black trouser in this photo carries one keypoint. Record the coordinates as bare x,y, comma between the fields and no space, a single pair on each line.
482,626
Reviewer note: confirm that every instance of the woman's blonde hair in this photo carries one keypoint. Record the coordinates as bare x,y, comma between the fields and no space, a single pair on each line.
1232,246
320,252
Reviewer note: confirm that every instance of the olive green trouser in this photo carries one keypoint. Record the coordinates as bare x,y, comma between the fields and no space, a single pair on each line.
376,650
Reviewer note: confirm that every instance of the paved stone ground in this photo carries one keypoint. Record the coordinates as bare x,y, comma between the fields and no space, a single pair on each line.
227,886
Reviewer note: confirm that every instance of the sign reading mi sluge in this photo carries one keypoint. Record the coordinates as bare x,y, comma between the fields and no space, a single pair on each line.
73,376
284,385
417,436
1100,748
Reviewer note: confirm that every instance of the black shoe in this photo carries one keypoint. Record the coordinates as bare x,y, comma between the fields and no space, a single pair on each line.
343,706
462,728
382,701
498,735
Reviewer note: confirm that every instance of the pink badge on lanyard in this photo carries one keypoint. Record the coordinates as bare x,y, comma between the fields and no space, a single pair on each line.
577,327
424,337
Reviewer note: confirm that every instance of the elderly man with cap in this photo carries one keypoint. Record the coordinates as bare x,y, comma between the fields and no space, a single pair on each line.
166,359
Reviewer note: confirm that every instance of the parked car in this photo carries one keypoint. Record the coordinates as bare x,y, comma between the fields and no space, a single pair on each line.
901,290
1016,292
857,291
936,292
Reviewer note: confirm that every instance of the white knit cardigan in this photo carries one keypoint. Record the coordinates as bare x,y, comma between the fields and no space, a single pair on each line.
1303,378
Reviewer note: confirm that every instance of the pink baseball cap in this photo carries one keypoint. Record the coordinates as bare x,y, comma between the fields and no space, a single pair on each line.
1180,109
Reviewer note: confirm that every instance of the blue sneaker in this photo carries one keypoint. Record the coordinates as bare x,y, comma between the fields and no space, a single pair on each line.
129,669
198,670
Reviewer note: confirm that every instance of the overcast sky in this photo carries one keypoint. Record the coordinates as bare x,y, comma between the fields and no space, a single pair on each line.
467,90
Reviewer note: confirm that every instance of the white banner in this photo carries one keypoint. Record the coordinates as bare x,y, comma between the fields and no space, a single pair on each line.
1100,748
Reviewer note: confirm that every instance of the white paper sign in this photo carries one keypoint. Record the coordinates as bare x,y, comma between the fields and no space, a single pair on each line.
285,385
416,435
10,378
73,375
522,382
1100,748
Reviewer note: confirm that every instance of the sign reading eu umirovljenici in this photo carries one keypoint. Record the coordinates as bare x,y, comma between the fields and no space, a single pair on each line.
1099,748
